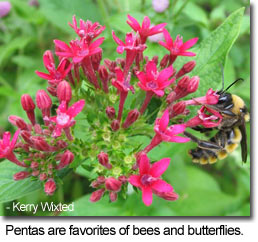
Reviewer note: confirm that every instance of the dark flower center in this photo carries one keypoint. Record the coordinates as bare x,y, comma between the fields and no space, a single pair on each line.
146,180
152,85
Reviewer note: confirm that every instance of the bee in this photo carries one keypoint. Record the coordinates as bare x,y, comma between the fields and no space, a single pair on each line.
230,133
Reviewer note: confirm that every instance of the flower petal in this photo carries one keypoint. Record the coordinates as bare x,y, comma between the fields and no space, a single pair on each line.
135,180
165,74
161,186
178,139
144,164
133,23
187,54
160,93
43,75
159,167
146,23
62,45
147,196
15,137
163,123
76,108
188,44
116,39
157,29
168,38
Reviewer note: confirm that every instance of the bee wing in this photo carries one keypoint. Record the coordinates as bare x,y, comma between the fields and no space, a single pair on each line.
243,141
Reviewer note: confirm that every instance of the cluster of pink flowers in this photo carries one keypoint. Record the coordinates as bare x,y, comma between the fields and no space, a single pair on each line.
47,146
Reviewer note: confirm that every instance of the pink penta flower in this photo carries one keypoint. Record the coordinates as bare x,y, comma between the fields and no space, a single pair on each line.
153,80
165,133
78,49
145,30
121,83
65,116
87,29
210,98
149,180
206,117
55,75
177,47
7,146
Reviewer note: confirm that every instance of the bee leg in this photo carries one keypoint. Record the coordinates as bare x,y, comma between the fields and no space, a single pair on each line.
204,144
201,129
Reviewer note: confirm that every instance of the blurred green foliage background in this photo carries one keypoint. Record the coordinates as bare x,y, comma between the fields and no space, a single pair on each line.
219,190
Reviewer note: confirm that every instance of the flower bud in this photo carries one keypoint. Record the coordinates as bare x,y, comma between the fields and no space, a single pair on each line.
111,65
170,196
40,143
164,61
94,184
44,102
5,8
177,109
35,173
193,84
122,179
50,187
18,122
111,112
155,59
27,103
61,144
26,135
34,164
112,184
37,129
52,91
103,74
97,195
96,59
101,179
21,175
66,159
113,196
171,97
42,176
121,61
131,118
188,67
103,160
64,92
115,125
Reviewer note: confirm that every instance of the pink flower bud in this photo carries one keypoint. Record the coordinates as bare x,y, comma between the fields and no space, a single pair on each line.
112,184
26,135
29,106
37,129
164,61
160,5
101,179
94,184
103,74
61,144
111,65
34,165
111,112
43,176
122,179
66,159
177,109
27,103
188,67
35,173
44,102
193,84
155,59
97,195
52,91
18,122
171,97
115,125
121,61
21,175
50,187
96,59
131,118
64,92
113,196
169,196
40,143
103,160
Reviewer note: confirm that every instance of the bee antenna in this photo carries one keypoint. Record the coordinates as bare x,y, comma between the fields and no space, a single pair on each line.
233,83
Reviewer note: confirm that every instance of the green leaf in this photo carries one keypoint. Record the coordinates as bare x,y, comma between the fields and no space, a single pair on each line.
59,13
212,53
10,189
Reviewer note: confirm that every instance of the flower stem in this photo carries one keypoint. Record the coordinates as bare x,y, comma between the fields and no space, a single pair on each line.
146,101
123,96
154,142
87,64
